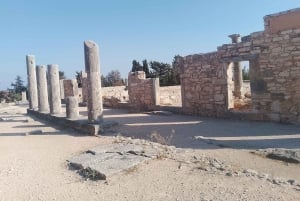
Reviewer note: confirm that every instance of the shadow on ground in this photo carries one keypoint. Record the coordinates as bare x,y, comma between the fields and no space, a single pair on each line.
189,131
38,130
205,133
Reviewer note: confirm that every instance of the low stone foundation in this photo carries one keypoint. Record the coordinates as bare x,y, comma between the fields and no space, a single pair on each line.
79,125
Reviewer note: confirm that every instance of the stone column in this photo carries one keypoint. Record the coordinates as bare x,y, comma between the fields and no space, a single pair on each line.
24,96
156,92
62,89
235,38
238,79
42,88
237,71
32,83
72,107
84,87
54,89
92,68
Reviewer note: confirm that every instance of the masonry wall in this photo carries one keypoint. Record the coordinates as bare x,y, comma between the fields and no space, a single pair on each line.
282,21
274,59
118,92
274,72
70,87
204,86
143,93
170,95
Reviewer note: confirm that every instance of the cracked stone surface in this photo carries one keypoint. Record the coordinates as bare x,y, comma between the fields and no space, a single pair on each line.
105,160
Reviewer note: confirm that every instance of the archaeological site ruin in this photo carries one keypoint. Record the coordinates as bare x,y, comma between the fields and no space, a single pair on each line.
150,100
211,83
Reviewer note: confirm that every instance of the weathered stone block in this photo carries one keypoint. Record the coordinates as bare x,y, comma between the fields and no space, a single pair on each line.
219,97
277,96
70,87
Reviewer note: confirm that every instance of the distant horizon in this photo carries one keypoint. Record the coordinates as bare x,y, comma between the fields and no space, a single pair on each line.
54,31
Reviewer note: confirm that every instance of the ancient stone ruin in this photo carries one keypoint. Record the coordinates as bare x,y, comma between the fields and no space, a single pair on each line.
143,93
32,83
54,90
92,68
46,92
211,83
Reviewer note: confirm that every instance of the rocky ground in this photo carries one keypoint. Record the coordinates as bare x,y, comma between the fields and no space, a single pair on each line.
34,165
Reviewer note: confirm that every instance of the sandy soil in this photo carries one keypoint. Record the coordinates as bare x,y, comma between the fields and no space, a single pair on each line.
34,167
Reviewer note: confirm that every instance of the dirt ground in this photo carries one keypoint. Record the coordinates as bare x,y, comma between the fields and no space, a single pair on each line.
34,166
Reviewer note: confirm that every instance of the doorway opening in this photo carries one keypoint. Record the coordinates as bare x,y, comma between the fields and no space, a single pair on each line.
239,89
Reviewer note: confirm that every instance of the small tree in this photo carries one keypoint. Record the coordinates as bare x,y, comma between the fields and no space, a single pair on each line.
78,78
136,66
146,68
61,75
18,85
113,78
245,72
168,74
104,82
14,94
163,71
175,71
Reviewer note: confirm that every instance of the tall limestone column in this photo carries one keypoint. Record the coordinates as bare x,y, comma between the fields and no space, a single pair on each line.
237,71
42,88
54,89
32,83
92,68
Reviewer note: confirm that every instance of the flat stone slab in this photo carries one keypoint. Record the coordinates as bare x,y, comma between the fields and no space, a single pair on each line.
122,149
287,155
103,161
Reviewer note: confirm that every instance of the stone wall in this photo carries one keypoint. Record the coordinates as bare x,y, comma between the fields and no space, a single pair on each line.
143,93
170,95
274,60
118,92
70,87
282,21
203,84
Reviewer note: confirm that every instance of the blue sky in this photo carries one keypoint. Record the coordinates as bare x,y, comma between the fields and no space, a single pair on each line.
54,30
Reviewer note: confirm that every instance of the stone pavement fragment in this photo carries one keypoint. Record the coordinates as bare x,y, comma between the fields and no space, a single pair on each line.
106,160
